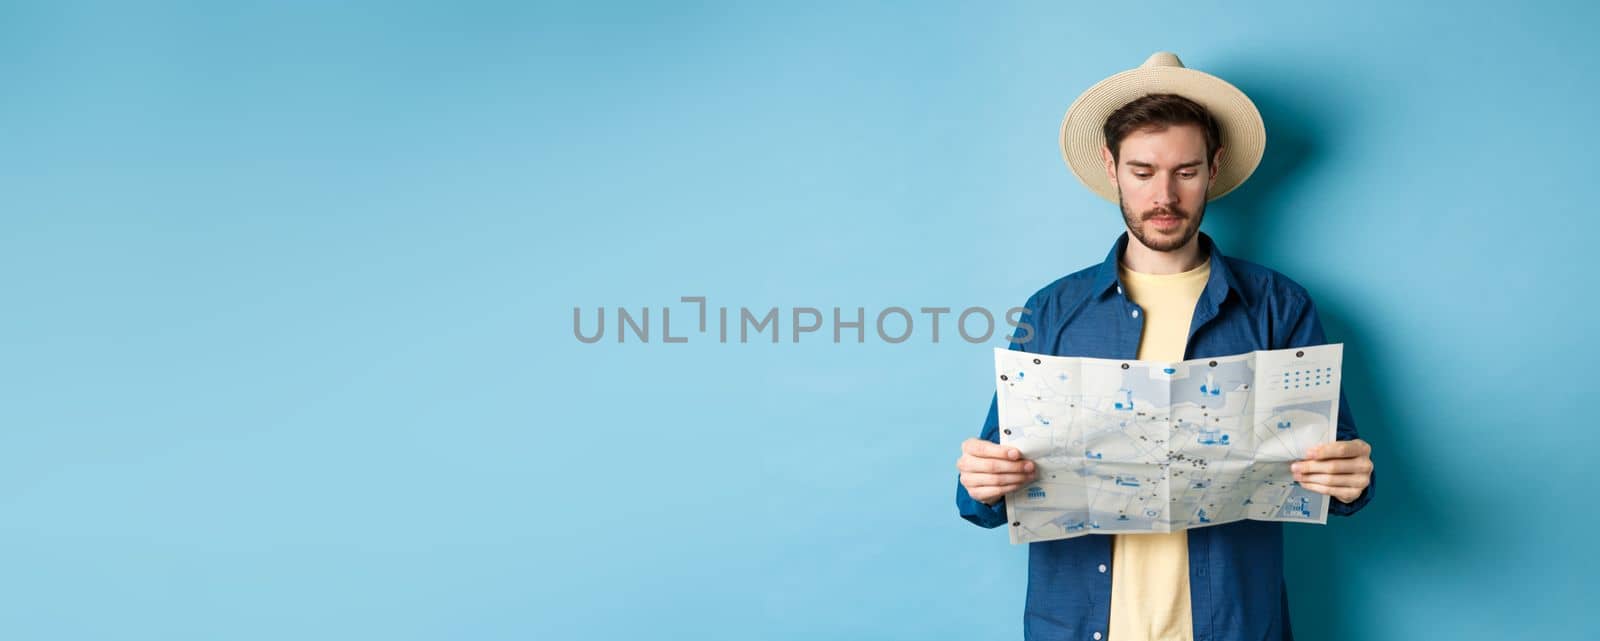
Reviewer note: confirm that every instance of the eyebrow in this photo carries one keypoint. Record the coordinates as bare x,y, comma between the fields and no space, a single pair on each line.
1192,163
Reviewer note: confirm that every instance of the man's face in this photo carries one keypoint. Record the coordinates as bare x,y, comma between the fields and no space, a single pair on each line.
1162,178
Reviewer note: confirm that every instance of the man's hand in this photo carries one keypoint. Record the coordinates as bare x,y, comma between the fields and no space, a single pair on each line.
990,471
1341,469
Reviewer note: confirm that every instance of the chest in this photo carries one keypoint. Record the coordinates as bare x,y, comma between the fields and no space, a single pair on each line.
1111,328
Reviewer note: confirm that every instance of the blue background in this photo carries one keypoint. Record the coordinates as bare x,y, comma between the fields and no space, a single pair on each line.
288,292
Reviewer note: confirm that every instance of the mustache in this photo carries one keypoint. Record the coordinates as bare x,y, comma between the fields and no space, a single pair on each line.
1165,211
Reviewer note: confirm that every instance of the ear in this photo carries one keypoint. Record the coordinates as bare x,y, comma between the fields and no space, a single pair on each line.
1111,164
1216,165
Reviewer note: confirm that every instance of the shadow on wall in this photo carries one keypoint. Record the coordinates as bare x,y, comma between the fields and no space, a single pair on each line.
1334,571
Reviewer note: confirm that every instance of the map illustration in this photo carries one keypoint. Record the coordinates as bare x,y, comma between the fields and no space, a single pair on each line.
1144,446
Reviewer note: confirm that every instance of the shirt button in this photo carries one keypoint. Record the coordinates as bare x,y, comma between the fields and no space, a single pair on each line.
1119,289
1102,568
1097,636
1136,313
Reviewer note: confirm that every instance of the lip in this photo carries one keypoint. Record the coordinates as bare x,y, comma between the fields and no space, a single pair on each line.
1165,222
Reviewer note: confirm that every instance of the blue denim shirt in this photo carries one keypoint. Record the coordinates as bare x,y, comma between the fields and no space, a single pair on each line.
1236,584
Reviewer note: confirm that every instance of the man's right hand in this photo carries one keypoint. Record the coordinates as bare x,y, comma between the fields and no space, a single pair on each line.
989,471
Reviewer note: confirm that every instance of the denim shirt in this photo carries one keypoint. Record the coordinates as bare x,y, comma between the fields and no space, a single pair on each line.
1236,584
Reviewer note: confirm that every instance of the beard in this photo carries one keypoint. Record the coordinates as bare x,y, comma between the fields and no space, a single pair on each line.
1188,225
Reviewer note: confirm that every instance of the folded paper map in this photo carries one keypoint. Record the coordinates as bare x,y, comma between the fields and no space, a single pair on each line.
1144,446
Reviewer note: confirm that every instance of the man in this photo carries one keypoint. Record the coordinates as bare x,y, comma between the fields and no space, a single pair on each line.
1152,140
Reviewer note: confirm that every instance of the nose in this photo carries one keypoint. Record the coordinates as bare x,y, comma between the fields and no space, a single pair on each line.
1166,191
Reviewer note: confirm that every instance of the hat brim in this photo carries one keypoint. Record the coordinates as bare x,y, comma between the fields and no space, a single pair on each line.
1244,135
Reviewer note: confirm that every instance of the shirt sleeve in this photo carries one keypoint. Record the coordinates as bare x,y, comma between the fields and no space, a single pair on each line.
1024,339
1306,331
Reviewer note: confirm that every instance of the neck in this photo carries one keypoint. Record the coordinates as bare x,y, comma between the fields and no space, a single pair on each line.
1144,260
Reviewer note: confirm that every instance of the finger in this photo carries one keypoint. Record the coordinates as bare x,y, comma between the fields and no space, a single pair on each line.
979,479
1007,489
1340,449
1002,490
1343,494
1355,481
1333,466
992,465
988,494
985,449
1318,488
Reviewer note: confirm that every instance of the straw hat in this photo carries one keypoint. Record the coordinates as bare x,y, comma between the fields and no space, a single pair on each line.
1244,137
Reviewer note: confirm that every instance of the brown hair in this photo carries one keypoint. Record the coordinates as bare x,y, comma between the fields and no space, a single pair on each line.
1156,112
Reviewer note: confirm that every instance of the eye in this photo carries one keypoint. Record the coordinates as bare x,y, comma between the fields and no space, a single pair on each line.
1141,175
1188,174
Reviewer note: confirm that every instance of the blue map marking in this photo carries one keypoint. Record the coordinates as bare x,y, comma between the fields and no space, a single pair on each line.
1227,377
1127,402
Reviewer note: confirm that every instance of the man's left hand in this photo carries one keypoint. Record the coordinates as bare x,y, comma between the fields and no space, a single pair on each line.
1341,469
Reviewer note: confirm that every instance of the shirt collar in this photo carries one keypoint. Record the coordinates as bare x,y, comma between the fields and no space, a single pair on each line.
1218,284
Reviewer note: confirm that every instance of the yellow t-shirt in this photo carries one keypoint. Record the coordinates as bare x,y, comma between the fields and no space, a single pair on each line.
1150,572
